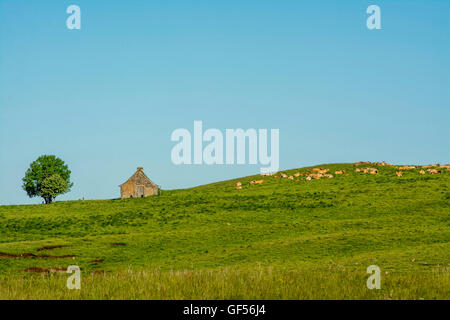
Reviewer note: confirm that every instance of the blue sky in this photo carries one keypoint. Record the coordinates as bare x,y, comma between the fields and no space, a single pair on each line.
106,98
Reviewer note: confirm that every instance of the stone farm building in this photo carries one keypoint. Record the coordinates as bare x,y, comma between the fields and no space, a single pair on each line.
138,186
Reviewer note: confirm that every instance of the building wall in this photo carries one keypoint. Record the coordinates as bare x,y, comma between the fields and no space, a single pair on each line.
129,189
151,191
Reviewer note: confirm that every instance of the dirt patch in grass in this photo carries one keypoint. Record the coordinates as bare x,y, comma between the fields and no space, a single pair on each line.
51,247
55,257
42,270
32,255
20,255
97,261
118,244
100,272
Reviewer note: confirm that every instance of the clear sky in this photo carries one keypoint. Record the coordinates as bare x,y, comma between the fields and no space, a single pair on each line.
106,98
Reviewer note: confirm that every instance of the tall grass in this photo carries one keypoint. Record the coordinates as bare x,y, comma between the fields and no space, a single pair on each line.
231,283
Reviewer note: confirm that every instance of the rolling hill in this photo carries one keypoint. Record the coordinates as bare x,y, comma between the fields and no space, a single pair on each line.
282,239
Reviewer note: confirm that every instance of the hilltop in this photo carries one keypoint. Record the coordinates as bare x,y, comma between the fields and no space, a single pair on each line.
339,225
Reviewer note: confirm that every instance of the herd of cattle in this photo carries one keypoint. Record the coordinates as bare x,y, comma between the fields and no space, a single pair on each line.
318,173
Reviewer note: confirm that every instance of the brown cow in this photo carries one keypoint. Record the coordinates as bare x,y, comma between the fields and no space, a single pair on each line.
434,171
406,167
297,174
398,173
339,172
422,171
363,162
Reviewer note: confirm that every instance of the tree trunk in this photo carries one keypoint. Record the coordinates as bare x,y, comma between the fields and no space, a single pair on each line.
48,200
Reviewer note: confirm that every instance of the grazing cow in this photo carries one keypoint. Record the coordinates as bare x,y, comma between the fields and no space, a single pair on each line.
276,177
434,171
291,178
320,170
297,174
373,170
406,167
308,178
382,164
398,173
358,170
238,186
422,171
339,172
329,176
363,162
283,175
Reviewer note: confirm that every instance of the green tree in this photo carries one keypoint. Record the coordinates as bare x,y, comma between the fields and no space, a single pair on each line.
47,177
52,187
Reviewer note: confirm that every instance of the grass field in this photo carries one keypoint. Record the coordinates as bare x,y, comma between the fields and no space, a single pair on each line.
283,239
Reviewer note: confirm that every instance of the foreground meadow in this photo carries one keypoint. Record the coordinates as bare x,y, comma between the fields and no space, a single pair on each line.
283,239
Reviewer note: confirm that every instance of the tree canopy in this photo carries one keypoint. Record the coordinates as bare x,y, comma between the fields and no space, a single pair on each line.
47,177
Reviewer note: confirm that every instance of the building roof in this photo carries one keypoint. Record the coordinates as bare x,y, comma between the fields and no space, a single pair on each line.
140,178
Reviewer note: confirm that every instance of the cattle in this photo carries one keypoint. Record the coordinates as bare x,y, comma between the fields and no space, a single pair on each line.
329,176
238,186
373,170
297,174
308,178
291,178
339,172
398,173
434,171
320,170
382,164
283,175
406,167
363,162
357,170
422,171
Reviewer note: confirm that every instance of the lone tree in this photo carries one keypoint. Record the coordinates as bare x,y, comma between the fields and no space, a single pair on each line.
47,177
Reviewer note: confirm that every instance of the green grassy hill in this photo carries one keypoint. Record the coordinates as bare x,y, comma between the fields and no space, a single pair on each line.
288,239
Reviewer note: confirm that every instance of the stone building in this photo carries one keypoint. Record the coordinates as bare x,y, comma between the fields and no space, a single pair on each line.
138,186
